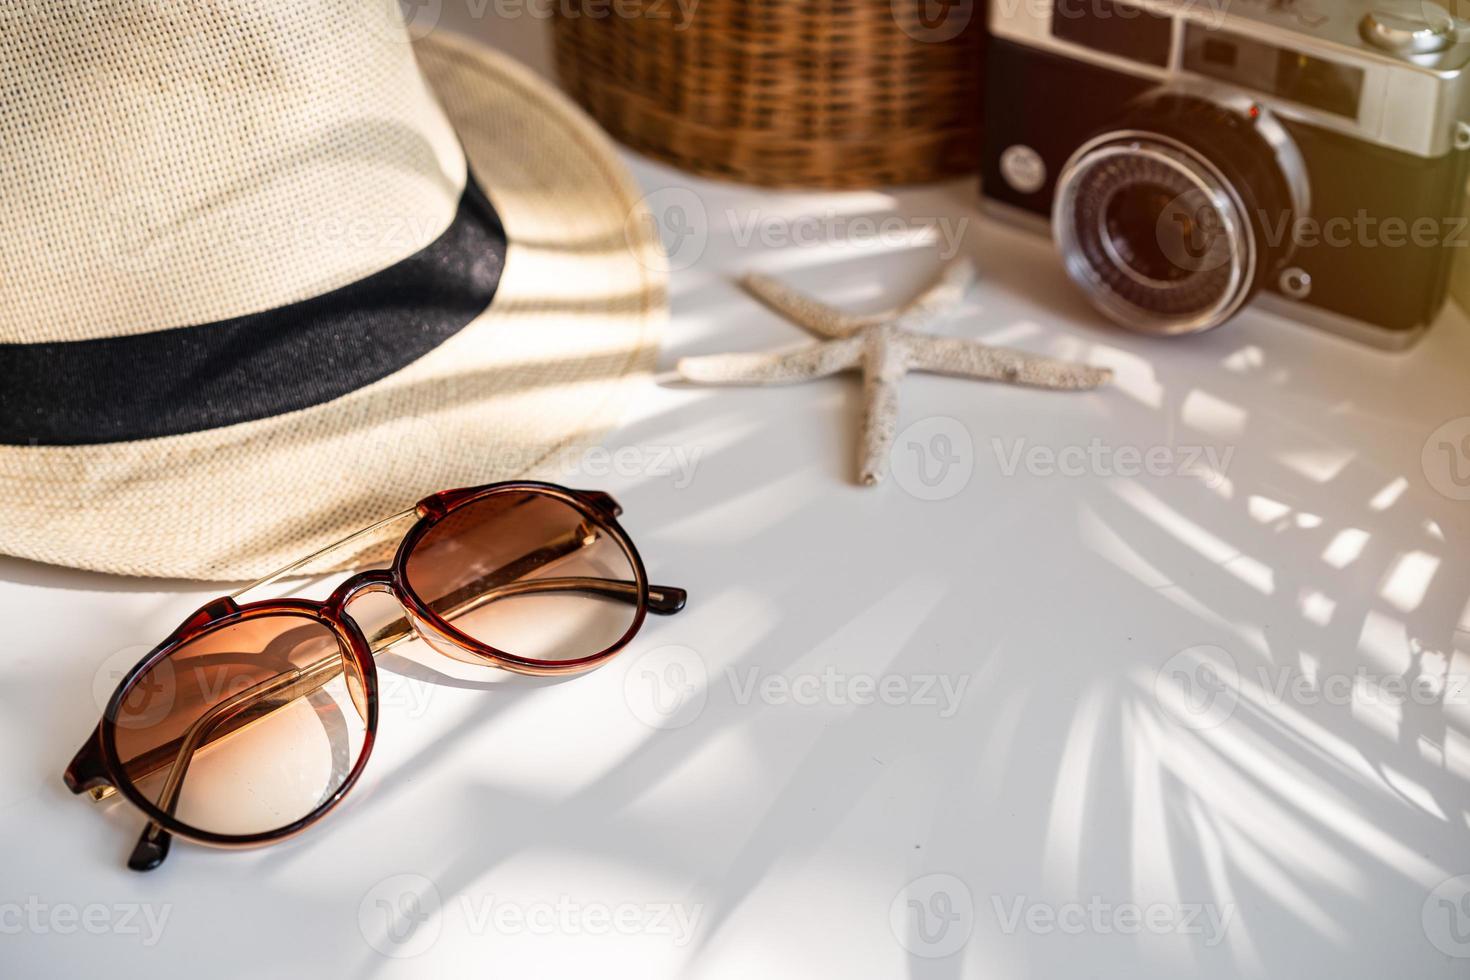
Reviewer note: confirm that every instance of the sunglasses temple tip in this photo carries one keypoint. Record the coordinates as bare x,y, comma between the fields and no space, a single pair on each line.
665,600
152,848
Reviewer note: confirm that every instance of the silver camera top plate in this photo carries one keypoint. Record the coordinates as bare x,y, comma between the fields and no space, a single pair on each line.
1403,96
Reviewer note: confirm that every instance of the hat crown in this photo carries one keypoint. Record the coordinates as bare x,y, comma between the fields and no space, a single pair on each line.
166,163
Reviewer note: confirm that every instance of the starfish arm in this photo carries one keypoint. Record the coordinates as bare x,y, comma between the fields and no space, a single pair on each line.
946,292
884,364
816,361
801,308
972,359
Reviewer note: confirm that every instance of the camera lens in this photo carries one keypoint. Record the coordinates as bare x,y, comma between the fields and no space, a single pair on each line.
1138,227
1161,218
1157,241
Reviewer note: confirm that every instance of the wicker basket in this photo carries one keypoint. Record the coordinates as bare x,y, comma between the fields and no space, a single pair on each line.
797,93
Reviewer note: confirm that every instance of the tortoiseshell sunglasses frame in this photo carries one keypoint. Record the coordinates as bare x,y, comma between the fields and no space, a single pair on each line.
98,770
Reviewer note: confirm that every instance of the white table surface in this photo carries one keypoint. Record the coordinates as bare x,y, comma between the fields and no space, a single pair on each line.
1045,783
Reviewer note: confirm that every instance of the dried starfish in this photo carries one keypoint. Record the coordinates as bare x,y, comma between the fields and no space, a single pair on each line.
885,347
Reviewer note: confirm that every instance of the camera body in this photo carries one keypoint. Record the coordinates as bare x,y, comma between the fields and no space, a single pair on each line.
1189,156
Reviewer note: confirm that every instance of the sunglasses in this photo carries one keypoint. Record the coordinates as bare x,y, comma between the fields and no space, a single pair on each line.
252,721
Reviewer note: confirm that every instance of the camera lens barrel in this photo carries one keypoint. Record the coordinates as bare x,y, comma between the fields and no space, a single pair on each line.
1175,216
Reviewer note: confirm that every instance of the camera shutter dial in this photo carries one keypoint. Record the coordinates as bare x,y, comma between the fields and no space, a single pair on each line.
1408,33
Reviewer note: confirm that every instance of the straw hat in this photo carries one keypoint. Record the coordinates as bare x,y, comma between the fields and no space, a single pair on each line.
271,271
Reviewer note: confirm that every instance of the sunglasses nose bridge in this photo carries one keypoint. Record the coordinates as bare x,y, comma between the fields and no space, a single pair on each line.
378,580
371,601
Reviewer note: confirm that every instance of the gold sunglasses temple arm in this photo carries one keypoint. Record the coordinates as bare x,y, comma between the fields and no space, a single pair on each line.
217,722
301,563
664,600
153,844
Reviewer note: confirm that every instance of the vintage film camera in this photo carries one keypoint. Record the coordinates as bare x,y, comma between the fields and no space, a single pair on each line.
1192,154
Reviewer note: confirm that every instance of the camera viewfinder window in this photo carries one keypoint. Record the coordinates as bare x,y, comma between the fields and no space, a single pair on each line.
1287,74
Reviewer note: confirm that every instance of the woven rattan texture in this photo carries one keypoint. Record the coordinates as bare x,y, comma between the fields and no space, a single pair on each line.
840,94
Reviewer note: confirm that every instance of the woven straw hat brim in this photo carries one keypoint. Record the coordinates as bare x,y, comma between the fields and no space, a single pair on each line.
570,336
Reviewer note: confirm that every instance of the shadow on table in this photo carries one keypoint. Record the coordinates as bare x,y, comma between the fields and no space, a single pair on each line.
1268,751
1270,745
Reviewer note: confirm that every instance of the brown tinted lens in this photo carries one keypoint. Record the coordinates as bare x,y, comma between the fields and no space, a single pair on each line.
528,574
246,729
